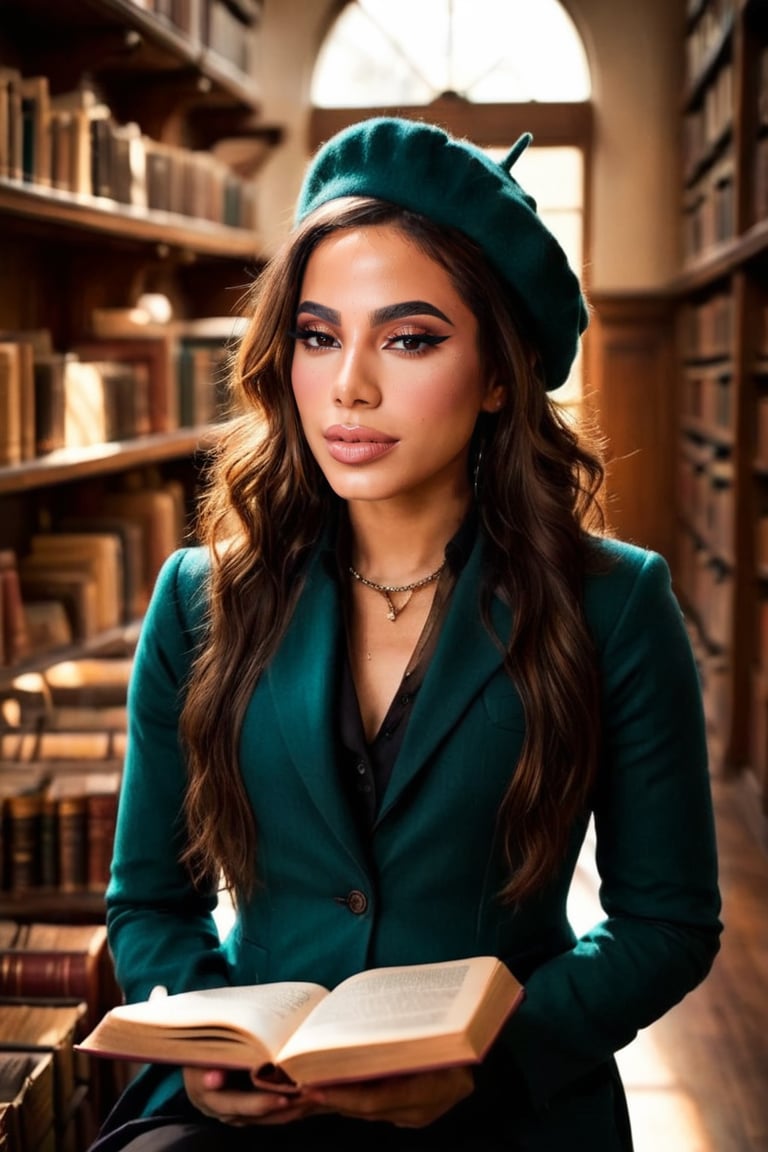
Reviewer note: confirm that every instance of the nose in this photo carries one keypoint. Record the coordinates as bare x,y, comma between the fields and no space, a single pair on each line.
356,382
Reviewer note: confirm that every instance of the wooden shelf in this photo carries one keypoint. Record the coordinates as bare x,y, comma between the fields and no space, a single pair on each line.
736,268
161,100
60,211
722,261
52,905
120,36
716,55
102,459
722,437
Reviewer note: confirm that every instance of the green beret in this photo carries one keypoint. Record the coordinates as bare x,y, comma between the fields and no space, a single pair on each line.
420,167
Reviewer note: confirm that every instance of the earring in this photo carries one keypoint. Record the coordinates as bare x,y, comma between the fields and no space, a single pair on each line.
476,477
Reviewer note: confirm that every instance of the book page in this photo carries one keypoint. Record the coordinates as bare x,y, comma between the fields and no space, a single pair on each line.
268,1011
396,1003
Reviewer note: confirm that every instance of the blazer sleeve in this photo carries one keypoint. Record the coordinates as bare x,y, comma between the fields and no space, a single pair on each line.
655,838
161,930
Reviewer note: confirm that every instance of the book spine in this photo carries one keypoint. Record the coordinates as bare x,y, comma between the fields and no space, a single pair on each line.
49,405
101,817
72,843
14,620
46,975
22,822
49,843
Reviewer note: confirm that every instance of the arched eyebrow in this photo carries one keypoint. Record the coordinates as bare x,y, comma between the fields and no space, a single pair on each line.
320,310
381,315
406,308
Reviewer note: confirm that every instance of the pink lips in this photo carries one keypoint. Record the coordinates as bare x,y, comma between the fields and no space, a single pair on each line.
357,445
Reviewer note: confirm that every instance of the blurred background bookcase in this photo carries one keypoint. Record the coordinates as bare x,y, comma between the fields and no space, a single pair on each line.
722,555
130,141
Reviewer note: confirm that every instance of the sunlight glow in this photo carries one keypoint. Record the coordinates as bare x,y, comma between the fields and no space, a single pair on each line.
555,179
411,51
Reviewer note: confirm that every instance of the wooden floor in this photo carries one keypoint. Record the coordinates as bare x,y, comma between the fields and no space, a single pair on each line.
697,1080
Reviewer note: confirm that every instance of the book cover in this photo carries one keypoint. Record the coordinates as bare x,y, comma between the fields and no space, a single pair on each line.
130,533
60,962
21,818
97,553
49,371
14,620
35,129
27,1098
156,510
26,396
10,118
382,1022
10,404
154,354
100,822
76,590
49,1028
48,626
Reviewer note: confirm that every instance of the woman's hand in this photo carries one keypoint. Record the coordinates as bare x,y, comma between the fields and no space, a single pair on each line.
406,1101
216,1093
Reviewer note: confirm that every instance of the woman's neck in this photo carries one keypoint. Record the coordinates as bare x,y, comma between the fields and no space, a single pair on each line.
394,546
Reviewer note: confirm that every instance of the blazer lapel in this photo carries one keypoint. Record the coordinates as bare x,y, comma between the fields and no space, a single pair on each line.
302,678
464,660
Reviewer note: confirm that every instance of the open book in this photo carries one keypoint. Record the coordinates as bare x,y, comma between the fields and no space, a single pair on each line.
382,1022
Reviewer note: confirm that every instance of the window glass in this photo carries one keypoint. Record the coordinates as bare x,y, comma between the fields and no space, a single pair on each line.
412,51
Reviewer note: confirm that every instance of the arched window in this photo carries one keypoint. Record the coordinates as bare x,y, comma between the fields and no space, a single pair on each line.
484,69
406,52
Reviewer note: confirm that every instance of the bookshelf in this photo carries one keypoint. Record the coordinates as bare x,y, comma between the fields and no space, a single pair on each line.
130,142
722,459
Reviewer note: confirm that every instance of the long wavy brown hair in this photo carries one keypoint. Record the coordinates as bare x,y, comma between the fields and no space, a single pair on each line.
266,502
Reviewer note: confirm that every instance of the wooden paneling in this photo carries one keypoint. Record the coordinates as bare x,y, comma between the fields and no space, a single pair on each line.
629,381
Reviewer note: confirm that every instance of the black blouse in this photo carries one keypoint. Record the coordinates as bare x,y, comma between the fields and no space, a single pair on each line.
367,767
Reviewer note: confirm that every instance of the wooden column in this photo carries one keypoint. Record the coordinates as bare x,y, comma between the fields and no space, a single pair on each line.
629,382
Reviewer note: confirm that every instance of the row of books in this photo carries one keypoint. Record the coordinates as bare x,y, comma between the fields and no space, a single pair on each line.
709,216
90,575
72,142
106,390
46,1099
708,328
58,824
56,980
706,37
62,746
709,123
708,588
705,490
218,25
708,399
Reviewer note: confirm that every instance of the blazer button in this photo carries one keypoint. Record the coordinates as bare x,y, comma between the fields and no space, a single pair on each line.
357,902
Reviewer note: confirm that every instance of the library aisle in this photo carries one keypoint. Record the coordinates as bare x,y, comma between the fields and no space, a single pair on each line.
697,1080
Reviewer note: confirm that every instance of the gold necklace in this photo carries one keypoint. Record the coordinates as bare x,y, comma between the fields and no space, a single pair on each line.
385,590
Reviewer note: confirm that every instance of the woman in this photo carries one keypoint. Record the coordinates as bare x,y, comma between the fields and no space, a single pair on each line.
385,695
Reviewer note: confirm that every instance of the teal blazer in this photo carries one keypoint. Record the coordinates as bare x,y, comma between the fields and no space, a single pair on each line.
432,866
